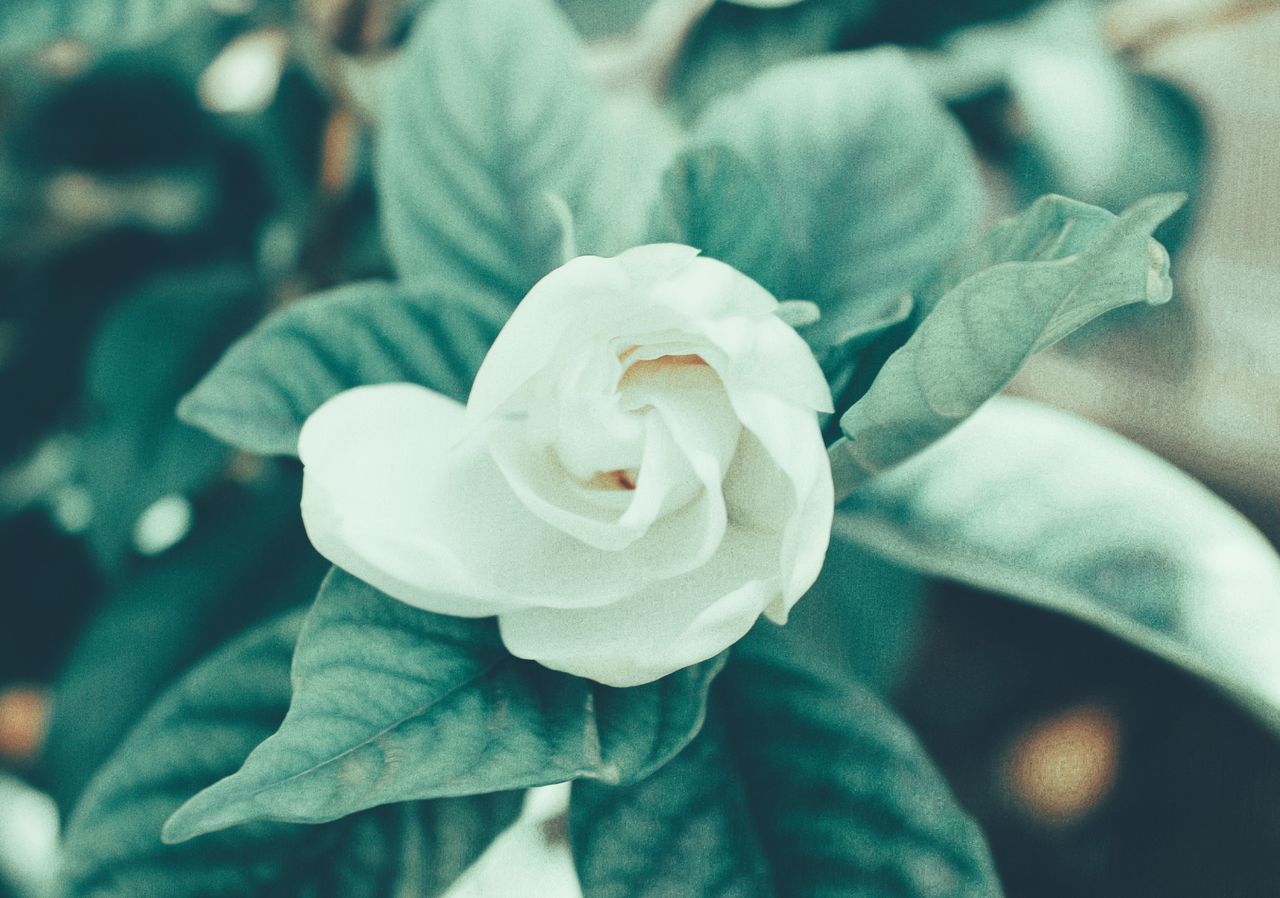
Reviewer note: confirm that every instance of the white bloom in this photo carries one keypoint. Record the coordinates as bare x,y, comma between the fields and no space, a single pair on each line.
637,476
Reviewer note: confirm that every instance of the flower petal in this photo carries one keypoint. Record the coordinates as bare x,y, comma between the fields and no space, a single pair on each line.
790,437
585,287
373,458
390,496
661,628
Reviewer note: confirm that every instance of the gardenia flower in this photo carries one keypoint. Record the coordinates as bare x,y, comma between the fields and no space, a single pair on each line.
637,476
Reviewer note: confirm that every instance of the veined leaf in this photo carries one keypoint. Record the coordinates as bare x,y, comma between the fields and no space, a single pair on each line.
810,787
200,730
714,199
491,123
874,182
686,830
258,396
1056,268
1050,509
392,703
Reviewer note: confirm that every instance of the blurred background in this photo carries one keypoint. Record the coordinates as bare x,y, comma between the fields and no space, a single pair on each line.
158,198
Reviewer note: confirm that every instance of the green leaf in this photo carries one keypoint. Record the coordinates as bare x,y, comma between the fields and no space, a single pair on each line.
246,558
200,730
714,200
1052,510
151,348
258,396
392,703
811,787
733,44
25,24
1052,269
874,181
491,123
686,830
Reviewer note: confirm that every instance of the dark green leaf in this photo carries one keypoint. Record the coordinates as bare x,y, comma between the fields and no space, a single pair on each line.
811,787
246,558
200,730
733,44
392,703
714,200
267,384
846,800
875,183
1044,507
1052,269
492,123
686,830
151,348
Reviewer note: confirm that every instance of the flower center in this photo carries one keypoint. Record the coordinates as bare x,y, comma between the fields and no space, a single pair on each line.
620,479
645,366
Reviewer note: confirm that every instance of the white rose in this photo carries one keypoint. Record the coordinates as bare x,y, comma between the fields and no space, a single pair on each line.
637,476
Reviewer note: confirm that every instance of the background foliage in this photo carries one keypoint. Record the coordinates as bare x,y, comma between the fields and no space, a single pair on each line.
406,167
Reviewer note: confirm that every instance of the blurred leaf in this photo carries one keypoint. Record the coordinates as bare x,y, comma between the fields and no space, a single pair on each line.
200,730
392,703
1047,508
595,19
150,349
811,787
874,182
872,638
246,557
25,24
262,390
714,200
490,122
926,21
1055,267
51,587
733,44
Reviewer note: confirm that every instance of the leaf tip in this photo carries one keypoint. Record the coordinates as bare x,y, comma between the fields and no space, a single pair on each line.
203,813
188,410
1150,212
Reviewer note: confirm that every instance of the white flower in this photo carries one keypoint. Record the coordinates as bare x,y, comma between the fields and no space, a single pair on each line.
637,476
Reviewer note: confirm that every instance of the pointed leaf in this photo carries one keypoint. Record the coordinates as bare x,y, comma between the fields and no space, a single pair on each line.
491,122
874,181
811,787
982,331
1044,507
263,389
392,703
200,730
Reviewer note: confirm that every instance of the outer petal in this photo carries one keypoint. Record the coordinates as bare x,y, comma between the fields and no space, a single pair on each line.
373,458
707,289
590,299
659,629
765,353
582,288
790,437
